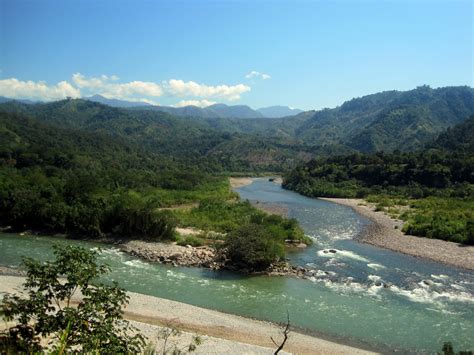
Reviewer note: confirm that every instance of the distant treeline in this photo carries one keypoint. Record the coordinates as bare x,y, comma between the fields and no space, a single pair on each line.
429,173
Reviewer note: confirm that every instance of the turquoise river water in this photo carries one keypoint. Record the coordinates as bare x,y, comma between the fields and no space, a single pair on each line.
360,295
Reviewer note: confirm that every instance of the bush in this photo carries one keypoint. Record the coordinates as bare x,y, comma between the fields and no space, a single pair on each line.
95,325
470,232
252,247
130,216
191,240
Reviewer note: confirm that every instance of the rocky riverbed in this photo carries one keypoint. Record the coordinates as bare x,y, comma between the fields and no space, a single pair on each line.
204,256
171,253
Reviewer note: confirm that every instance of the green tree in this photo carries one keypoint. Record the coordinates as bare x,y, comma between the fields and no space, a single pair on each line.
252,247
47,310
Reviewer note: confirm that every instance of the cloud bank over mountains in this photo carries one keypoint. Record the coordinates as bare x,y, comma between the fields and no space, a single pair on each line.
188,92
39,90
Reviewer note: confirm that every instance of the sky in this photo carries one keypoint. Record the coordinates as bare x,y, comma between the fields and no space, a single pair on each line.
304,54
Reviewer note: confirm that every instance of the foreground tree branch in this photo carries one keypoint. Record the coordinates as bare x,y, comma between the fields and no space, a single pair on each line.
286,331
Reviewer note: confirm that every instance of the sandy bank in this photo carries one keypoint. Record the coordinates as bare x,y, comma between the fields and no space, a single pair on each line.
236,182
386,232
222,333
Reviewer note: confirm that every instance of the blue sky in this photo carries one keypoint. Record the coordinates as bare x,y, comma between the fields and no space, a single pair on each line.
305,54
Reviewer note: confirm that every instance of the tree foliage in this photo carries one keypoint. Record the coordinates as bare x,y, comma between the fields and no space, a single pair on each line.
253,248
68,181
48,311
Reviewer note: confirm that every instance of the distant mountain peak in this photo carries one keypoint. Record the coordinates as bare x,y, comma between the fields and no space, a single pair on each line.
4,99
278,111
218,110
115,102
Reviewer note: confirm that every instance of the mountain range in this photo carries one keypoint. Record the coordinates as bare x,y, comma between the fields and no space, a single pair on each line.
390,120
386,121
212,111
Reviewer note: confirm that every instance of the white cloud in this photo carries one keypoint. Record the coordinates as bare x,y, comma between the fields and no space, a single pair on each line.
190,88
198,103
15,88
191,92
256,74
108,87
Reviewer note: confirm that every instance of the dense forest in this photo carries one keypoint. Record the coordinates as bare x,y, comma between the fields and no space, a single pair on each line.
441,175
216,145
388,121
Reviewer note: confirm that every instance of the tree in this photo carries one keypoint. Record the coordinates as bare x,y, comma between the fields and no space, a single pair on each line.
47,310
252,247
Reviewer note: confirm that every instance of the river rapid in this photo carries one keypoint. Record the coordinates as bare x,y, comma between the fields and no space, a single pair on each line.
361,295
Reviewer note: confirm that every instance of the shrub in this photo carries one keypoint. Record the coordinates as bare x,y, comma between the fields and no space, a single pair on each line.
470,232
252,247
131,217
191,240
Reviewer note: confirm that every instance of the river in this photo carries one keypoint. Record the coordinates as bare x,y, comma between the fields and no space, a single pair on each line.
361,295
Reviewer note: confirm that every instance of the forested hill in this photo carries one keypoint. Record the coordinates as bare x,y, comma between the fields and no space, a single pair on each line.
386,121
459,138
216,146
29,144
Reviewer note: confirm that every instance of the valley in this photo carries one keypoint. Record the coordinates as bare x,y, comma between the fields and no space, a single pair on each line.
136,178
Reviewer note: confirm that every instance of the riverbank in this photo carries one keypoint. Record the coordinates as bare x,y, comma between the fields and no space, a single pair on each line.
386,232
220,332
236,182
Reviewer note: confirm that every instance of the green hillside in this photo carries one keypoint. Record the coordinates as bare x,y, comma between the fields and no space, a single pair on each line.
389,120
386,121
459,138
213,146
